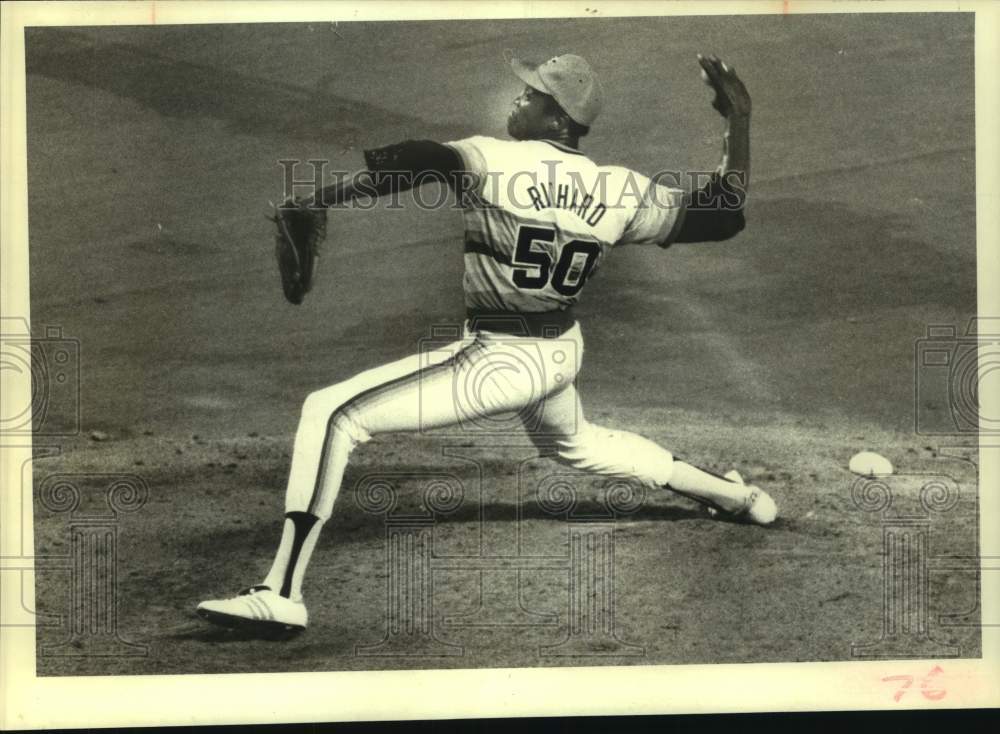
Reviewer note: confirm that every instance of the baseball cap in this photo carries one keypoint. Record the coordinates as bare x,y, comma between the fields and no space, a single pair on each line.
569,79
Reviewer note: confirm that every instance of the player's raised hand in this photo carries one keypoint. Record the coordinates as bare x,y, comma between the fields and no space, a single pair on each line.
731,95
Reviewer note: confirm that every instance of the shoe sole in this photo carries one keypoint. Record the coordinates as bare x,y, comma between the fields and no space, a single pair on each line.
231,621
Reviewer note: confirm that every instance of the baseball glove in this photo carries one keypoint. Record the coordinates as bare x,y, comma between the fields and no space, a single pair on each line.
301,231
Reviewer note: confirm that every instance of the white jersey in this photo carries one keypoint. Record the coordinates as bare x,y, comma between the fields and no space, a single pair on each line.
543,216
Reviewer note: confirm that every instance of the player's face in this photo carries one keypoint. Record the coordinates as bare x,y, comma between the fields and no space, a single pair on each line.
531,116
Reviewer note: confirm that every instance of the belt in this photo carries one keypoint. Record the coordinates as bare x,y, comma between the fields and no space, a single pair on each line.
543,324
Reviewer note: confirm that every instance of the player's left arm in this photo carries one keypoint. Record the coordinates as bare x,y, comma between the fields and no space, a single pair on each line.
715,211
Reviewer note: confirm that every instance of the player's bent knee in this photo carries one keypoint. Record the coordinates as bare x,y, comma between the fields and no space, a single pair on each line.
576,449
345,423
319,405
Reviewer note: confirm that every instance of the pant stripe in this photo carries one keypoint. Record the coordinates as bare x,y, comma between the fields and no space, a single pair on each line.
700,500
364,396
707,471
303,523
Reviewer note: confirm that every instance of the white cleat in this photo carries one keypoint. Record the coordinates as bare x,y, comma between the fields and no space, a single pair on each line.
758,508
257,607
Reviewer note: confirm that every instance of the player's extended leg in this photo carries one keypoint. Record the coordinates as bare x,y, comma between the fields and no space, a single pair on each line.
321,443
479,378
327,434
559,420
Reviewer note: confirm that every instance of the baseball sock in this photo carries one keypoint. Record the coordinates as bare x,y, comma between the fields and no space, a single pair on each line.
298,538
706,487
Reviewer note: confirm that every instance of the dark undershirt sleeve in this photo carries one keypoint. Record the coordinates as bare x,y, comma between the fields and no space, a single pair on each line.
714,213
707,225
400,166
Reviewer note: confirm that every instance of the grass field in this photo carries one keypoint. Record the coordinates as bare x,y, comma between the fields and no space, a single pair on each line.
153,155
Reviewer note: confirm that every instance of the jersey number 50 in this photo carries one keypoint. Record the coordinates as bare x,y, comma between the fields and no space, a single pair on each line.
532,268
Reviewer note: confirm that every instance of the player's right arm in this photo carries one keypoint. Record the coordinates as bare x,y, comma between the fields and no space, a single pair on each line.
393,169
715,211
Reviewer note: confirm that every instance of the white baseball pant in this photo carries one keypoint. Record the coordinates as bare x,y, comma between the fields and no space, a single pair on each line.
480,375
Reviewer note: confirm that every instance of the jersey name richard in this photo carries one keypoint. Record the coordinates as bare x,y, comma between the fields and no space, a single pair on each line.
548,196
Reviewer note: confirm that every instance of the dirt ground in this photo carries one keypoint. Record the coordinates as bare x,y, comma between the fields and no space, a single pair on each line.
152,157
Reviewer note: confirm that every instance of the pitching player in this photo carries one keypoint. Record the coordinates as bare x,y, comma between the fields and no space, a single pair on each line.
540,217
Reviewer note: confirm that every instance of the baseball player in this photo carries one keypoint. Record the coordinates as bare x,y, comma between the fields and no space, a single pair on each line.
540,217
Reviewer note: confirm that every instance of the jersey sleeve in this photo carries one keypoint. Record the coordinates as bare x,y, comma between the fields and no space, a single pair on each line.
658,216
474,152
